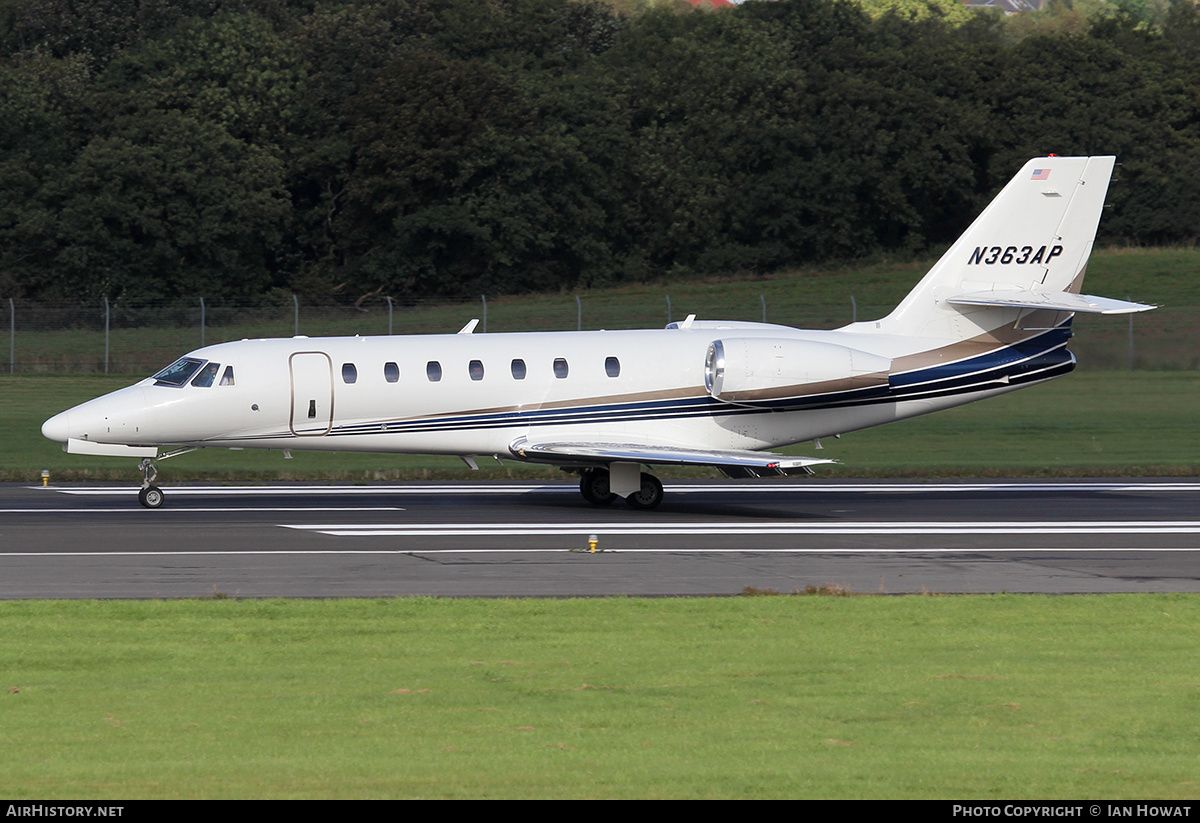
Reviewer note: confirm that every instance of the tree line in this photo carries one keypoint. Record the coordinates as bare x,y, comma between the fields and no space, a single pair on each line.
153,150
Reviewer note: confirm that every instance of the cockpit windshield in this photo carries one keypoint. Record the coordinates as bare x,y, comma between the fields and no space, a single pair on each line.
178,372
207,375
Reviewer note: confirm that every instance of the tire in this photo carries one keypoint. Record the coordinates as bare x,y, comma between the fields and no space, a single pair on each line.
151,497
648,496
594,486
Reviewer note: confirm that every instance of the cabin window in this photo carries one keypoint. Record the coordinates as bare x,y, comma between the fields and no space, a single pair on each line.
349,373
560,367
476,369
518,369
433,370
205,377
391,372
178,372
612,367
227,377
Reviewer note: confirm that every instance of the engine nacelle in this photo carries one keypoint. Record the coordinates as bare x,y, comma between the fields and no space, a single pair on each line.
754,370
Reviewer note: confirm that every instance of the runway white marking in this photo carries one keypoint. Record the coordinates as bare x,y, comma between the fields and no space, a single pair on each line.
249,491
750,487
201,510
774,527
582,550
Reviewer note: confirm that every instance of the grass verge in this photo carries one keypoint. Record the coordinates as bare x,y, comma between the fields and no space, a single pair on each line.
897,697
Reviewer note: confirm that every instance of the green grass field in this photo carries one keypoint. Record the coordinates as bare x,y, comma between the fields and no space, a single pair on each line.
996,697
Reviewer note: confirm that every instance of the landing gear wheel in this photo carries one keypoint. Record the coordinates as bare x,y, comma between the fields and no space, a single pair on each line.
151,497
594,486
648,496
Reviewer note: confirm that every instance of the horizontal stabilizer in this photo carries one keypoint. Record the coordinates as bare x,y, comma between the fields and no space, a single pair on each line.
603,453
1059,301
75,446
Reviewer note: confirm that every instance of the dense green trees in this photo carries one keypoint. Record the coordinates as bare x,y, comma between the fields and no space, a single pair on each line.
160,149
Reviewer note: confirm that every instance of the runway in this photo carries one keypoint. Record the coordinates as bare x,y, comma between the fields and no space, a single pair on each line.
533,539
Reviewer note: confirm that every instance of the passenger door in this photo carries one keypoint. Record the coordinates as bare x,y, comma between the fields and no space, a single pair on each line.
312,393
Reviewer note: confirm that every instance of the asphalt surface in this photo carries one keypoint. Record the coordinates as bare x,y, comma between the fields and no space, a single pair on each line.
532,539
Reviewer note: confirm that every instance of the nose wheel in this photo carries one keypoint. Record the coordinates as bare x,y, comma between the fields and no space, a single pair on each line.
150,496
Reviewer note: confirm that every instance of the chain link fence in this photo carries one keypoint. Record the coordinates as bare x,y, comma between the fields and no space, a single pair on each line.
45,338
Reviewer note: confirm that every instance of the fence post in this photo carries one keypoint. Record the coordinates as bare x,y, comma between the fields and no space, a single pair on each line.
668,309
389,315
763,298
295,316
483,297
853,309
578,314
12,336
106,334
201,322
1130,336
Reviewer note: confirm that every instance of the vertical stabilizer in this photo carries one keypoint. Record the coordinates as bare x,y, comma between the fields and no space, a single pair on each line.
1033,240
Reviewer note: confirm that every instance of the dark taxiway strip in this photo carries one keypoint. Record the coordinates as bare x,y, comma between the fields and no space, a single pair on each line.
489,539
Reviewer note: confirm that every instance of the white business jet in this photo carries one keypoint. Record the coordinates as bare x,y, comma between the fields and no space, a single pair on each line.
993,315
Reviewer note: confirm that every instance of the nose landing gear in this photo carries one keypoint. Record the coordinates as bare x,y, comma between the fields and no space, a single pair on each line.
150,495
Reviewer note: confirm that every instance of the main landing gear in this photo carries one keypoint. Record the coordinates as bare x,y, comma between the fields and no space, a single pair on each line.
595,486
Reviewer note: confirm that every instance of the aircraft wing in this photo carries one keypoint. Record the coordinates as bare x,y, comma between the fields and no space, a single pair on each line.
736,463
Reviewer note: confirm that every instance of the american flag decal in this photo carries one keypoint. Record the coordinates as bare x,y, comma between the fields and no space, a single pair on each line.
1040,174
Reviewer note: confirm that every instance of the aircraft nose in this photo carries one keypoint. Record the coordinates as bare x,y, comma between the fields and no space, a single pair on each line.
58,427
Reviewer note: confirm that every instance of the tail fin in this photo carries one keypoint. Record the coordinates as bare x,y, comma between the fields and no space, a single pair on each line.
1027,252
